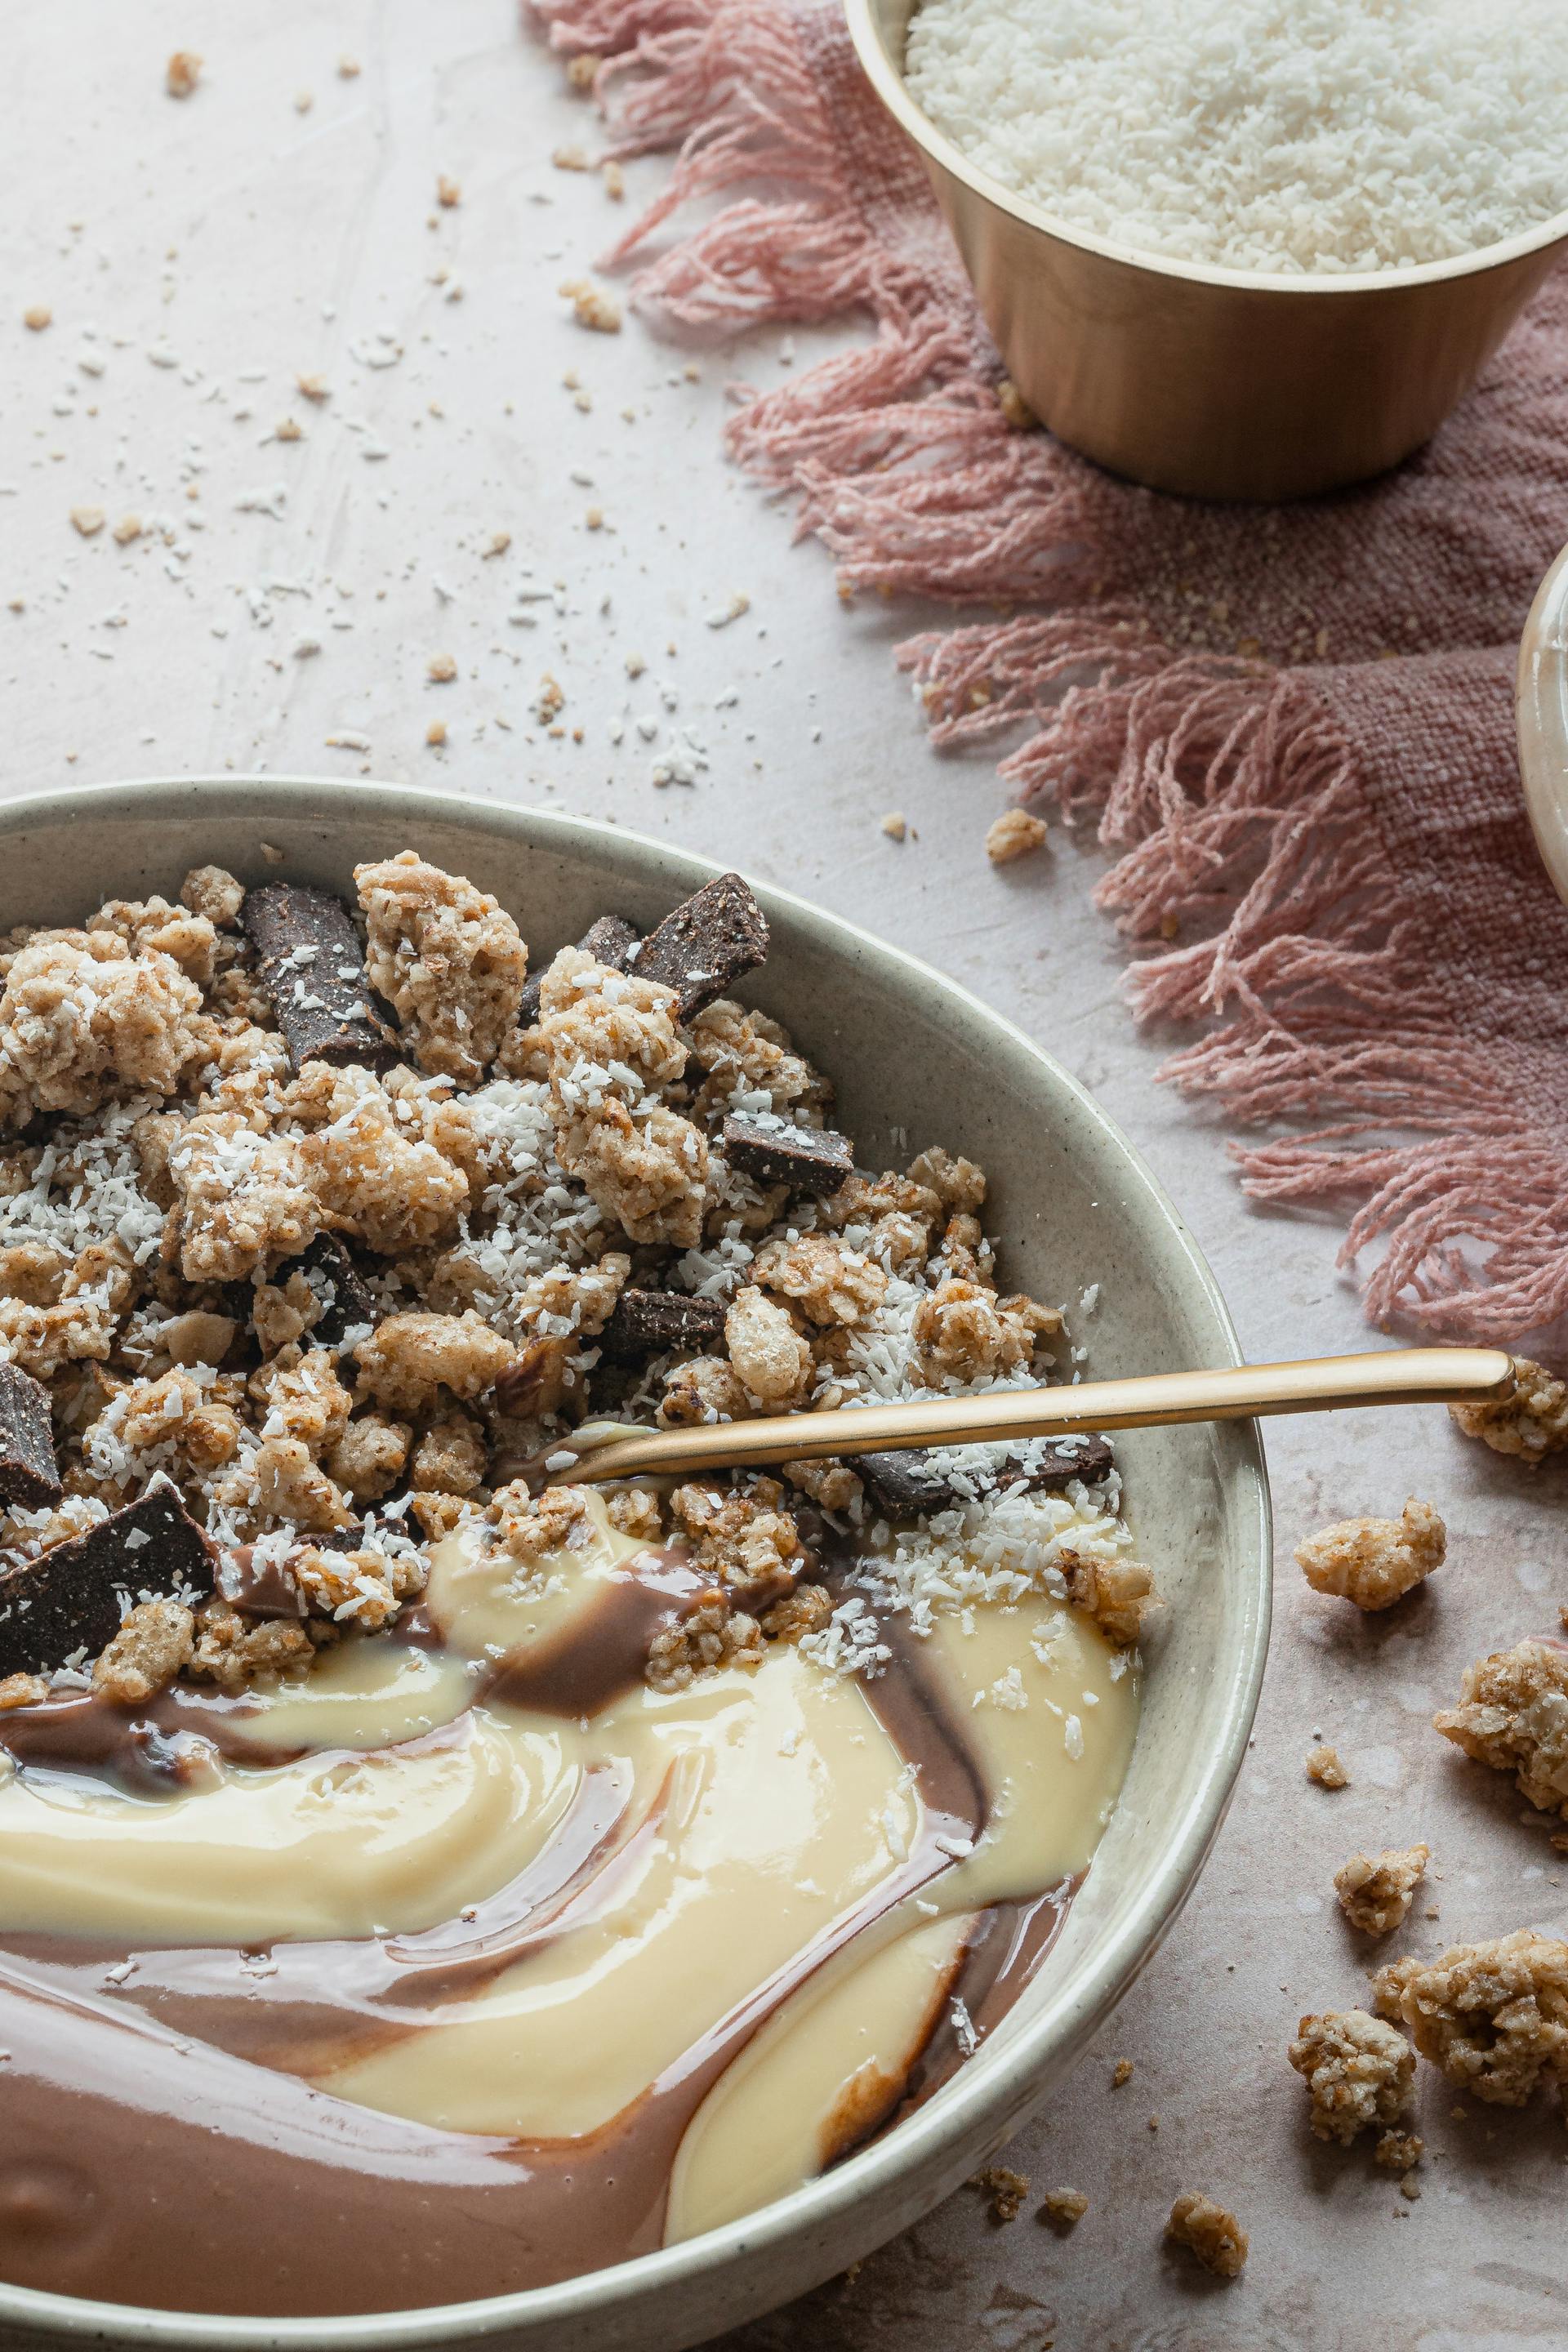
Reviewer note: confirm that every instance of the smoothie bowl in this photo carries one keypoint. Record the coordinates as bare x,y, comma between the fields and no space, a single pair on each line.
440,1899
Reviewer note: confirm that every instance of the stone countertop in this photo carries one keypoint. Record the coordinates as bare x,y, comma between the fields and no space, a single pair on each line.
280,607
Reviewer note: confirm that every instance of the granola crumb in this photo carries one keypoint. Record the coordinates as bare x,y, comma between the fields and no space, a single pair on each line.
1324,1767
1014,833
1359,2070
582,69
22,1690
895,826
448,194
441,670
571,158
183,73
436,733
1529,1424
1399,2151
348,68
152,1644
1375,1562
37,316
1375,1893
713,1636
87,520
614,180
591,307
551,700
304,100
1013,406
127,529
1213,2235
287,428
1493,2016
1121,2074
1064,2207
1513,1715
314,387
1003,2189
1119,1594
497,544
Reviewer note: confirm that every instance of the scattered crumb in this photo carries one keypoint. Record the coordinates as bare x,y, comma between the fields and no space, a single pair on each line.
1399,2151
89,521
1006,2191
1065,2208
636,665
304,100
314,387
37,316
1375,1562
1359,2071
1214,2236
594,518
183,73
582,69
348,68
1013,406
1375,1894
436,733
1493,2016
614,180
896,826
1015,834
497,544
289,429
447,192
1530,1422
1323,1766
128,528
1122,2074
571,158
549,701
592,306
441,670
720,618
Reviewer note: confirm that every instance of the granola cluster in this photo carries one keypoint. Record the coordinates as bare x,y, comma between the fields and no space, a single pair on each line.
1529,1424
334,1219
1375,1562
1376,1891
1513,1715
1493,2016
1359,2070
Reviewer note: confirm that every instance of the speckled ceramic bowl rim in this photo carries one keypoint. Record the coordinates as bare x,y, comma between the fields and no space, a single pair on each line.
996,2088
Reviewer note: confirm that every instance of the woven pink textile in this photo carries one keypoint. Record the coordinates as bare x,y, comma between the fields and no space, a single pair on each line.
1293,726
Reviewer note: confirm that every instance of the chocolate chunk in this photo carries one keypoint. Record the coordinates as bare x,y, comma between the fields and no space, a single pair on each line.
651,1322
68,1600
706,944
29,1476
334,1280
314,966
611,939
913,1485
806,1159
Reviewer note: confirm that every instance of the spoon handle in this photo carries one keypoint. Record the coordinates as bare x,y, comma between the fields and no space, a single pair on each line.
1237,1392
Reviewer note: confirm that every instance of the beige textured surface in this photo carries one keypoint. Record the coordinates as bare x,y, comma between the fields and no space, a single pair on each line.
273,214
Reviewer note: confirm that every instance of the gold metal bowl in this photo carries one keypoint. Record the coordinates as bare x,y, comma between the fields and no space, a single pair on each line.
1543,720
1219,384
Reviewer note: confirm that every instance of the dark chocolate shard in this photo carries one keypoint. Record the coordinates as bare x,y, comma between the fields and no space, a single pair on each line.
652,1322
914,1485
313,967
706,944
808,1158
66,1601
334,1278
29,1474
611,938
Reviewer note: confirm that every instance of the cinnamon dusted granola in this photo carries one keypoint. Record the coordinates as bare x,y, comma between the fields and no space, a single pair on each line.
1359,2070
1375,1562
1529,1424
1513,1715
1493,2016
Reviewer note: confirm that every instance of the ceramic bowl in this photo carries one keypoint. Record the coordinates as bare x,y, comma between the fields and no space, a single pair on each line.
1217,382
1543,720
916,1061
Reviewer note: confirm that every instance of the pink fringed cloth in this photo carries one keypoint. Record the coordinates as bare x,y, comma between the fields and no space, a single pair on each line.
1293,726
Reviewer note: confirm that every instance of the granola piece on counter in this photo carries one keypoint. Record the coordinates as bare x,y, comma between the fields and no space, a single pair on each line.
771,1360
1119,1594
243,1196
372,1174
451,1457
1398,2151
964,1332
1324,1767
1493,2016
1003,2189
1513,1715
1359,2071
1213,2235
1375,1562
154,1644
742,1535
705,1387
713,1636
82,1020
831,1281
1529,1424
447,959
1375,1892
410,1359
211,891
232,1650
368,1458
1065,2208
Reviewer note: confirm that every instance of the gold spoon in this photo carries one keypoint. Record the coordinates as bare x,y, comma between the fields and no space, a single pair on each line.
1238,1392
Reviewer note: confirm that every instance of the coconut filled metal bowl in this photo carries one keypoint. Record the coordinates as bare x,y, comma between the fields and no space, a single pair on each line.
916,1060
1214,383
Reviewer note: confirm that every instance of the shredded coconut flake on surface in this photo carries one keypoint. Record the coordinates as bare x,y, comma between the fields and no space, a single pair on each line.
1293,135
